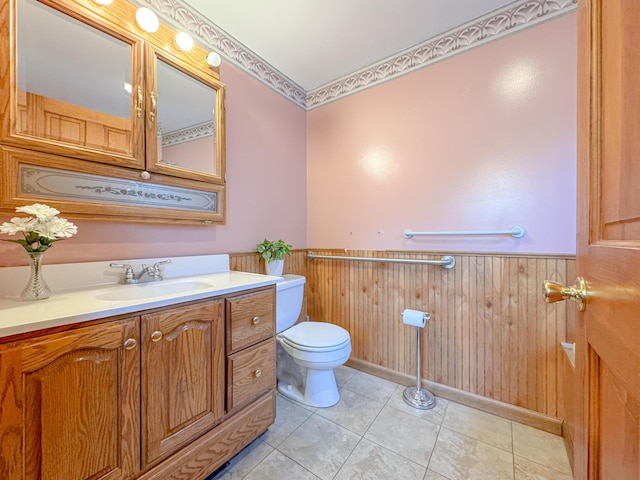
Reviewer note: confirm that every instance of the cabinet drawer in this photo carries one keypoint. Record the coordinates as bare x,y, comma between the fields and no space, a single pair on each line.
250,373
250,319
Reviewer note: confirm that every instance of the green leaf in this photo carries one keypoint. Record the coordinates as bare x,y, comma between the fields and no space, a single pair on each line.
273,250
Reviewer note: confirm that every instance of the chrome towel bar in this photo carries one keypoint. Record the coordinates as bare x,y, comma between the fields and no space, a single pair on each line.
446,262
515,232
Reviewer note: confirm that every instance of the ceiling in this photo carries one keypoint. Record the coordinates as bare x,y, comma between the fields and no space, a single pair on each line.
314,42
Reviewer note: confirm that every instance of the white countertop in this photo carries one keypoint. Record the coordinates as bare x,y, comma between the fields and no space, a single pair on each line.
99,299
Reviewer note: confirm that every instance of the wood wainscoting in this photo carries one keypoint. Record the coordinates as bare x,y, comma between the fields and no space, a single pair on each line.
295,263
491,334
252,262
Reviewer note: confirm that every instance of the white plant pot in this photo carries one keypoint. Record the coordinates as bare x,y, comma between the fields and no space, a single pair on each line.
275,267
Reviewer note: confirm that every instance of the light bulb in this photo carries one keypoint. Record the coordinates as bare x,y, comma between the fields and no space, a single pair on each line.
147,20
213,59
184,41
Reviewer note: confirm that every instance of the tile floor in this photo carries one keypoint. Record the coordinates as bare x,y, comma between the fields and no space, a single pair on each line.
372,434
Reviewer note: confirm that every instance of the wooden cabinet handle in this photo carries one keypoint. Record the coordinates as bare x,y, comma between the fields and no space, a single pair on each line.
130,343
257,373
156,336
255,320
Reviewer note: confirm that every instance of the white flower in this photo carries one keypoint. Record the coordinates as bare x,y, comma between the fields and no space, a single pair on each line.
41,229
17,224
39,210
56,228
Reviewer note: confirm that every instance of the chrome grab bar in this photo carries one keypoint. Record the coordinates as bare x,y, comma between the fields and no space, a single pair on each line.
446,262
515,232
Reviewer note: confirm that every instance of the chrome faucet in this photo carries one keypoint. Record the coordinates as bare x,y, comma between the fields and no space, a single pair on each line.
153,272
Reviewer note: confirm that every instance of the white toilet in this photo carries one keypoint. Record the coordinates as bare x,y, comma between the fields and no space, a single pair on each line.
316,348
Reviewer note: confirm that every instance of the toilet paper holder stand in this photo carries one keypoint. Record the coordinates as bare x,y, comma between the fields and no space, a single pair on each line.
417,396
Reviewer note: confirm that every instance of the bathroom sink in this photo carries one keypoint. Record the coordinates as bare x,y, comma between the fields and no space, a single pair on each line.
140,291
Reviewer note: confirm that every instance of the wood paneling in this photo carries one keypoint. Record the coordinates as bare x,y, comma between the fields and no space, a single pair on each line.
295,263
252,262
491,333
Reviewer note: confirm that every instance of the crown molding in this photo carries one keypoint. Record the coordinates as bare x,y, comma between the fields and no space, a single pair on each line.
491,27
178,14
513,18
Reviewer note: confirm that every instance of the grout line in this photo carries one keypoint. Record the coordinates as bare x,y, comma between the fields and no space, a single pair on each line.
348,457
294,461
361,437
444,414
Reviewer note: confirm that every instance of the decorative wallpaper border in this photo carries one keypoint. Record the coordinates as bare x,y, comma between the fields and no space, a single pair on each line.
490,27
206,129
177,13
514,17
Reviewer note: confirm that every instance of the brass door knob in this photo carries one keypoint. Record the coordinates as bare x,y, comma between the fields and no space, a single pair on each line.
555,292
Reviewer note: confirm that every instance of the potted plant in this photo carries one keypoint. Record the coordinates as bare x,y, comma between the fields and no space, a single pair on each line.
273,253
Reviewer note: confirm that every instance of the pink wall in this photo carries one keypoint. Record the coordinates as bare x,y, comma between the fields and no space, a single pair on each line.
484,140
266,190
198,154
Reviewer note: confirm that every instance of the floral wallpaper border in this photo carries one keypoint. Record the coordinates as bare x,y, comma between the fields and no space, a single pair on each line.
194,132
493,26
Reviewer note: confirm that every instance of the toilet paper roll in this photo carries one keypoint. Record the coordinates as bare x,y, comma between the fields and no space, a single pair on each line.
415,318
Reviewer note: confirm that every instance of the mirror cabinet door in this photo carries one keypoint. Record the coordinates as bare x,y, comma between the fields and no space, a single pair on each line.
184,121
78,91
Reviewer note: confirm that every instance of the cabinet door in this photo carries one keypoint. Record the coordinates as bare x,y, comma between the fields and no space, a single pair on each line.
183,377
79,96
185,118
70,405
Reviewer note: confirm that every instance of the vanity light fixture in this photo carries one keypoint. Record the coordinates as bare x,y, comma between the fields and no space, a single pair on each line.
103,2
147,20
213,59
184,41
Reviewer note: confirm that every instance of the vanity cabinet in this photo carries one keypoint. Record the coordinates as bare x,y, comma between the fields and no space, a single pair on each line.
138,397
183,386
107,92
70,407
250,346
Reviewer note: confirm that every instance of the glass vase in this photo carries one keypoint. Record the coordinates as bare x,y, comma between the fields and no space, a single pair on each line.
36,288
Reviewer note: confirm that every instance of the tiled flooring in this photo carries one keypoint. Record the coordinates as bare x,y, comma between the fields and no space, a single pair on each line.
372,434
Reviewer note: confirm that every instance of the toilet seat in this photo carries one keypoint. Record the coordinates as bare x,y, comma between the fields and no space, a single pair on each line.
306,348
315,337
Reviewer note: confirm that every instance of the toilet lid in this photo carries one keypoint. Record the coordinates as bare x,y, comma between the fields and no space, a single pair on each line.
316,334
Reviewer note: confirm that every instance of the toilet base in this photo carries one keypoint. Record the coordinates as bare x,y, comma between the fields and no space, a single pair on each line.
320,389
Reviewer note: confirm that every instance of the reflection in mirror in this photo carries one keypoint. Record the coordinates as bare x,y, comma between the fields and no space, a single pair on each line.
186,121
74,81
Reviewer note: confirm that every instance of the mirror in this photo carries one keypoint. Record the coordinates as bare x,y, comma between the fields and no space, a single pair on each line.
74,81
85,92
187,126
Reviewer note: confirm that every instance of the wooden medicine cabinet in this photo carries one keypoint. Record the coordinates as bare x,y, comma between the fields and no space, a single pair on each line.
82,81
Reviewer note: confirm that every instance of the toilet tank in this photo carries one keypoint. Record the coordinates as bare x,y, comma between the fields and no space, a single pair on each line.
289,295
